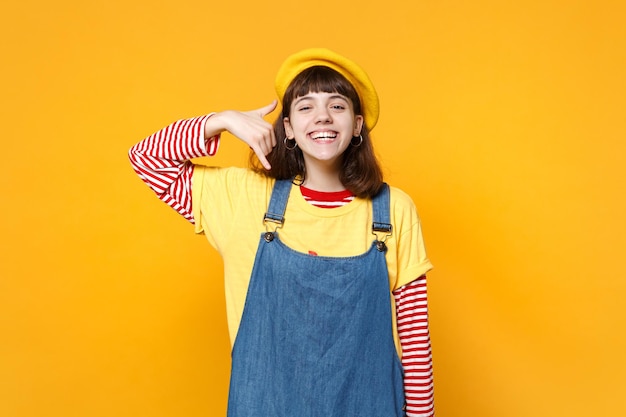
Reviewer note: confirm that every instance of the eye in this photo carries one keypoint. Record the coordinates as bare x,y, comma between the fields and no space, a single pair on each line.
305,107
338,107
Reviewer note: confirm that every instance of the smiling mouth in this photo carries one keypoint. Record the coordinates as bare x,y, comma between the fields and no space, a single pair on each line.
323,135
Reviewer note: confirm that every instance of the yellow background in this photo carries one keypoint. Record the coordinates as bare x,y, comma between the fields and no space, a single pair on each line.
504,120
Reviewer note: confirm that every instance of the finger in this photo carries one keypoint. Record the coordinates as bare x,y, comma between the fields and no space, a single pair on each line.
269,136
259,153
273,138
265,110
262,146
268,140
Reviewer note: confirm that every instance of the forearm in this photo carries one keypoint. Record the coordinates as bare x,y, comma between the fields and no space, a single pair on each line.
412,319
162,160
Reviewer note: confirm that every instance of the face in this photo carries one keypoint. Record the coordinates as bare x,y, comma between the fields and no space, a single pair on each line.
323,125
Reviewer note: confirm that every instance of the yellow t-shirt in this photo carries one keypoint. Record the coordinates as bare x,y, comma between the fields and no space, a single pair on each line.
229,205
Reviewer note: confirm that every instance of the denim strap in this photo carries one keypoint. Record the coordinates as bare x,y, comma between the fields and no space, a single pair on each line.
381,217
278,202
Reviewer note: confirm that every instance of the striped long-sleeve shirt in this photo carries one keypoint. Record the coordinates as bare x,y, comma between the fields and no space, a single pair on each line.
162,161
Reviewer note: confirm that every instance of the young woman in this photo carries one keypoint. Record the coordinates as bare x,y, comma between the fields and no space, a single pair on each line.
317,249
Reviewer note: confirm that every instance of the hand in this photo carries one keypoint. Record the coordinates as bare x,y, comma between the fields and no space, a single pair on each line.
248,126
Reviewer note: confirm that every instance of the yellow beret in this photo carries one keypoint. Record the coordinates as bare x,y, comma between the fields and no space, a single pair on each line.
307,58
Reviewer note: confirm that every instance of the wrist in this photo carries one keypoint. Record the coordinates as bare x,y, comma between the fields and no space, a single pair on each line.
214,125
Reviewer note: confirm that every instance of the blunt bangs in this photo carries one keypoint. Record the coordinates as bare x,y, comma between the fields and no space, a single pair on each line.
320,79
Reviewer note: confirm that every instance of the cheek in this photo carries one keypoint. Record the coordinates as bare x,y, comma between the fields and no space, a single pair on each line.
298,124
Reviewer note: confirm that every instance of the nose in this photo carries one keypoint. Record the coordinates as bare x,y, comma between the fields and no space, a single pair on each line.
322,115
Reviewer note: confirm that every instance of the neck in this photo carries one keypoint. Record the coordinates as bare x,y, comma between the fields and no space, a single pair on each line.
321,177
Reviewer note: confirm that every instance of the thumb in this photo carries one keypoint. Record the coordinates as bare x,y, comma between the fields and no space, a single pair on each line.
265,110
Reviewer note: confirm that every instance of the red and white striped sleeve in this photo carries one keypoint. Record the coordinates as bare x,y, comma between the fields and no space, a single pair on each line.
412,319
162,161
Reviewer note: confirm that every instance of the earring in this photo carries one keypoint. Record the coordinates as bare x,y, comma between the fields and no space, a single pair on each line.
295,144
356,145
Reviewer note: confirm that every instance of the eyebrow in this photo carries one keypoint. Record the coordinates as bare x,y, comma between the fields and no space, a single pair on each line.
334,96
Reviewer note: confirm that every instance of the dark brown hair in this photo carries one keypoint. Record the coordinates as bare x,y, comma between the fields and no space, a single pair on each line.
360,170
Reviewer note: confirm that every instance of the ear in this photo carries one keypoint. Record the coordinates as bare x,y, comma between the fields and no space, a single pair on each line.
358,124
288,129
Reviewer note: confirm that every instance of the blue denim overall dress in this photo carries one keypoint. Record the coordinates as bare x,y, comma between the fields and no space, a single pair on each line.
315,338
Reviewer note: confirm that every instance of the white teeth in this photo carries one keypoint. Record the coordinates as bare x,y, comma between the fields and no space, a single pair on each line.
323,135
